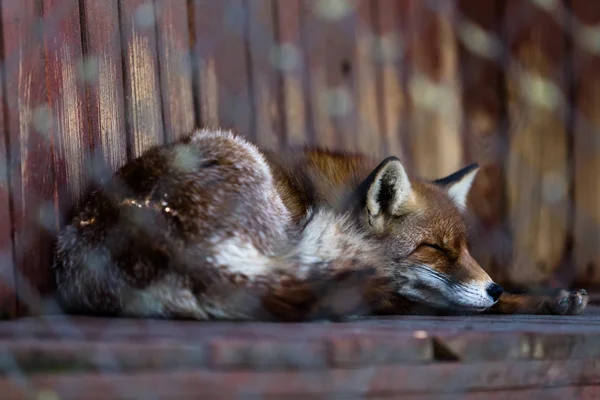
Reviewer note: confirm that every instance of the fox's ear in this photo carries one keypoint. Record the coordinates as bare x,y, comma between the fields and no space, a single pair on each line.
459,183
387,189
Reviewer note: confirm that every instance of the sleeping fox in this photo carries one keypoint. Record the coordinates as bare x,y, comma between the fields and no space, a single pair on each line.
212,227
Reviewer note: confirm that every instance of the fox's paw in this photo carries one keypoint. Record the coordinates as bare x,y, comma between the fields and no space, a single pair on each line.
568,302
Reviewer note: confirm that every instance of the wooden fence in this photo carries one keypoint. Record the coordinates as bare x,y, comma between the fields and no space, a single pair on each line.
511,84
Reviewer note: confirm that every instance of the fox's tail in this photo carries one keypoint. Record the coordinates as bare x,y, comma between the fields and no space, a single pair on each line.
332,270
329,269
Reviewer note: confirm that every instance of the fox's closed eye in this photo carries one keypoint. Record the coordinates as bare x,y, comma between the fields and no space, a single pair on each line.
434,246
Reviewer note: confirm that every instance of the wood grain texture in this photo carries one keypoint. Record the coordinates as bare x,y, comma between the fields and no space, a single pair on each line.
450,379
266,60
66,100
586,141
8,294
103,74
142,88
435,138
391,65
537,164
368,130
480,49
293,72
422,80
175,67
329,38
221,65
434,357
30,151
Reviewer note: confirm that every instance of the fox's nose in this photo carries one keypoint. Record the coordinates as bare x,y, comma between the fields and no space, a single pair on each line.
494,290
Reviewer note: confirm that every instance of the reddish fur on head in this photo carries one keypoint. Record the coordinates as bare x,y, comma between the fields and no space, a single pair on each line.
418,225
439,233
423,228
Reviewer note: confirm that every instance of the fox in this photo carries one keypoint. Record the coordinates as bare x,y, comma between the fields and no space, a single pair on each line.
213,227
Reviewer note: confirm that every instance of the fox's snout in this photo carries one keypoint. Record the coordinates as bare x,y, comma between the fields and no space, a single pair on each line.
462,284
479,289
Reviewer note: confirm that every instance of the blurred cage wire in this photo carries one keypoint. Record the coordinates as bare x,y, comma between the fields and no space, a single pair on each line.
513,85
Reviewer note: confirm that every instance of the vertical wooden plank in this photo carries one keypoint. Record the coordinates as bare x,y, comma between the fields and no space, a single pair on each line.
329,34
142,89
66,98
480,46
175,67
392,68
537,165
221,63
365,94
434,89
341,48
266,60
8,294
292,64
30,152
103,74
586,64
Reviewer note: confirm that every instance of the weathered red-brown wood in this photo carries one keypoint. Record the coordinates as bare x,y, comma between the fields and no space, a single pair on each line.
378,347
515,344
232,350
420,356
34,355
442,378
266,61
400,340
341,49
257,353
552,393
142,87
391,65
482,94
221,64
433,89
67,102
369,137
29,129
537,166
293,72
103,76
175,67
586,142
329,37
8,294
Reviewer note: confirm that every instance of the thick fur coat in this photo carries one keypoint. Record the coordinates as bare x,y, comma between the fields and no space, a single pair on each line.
212,227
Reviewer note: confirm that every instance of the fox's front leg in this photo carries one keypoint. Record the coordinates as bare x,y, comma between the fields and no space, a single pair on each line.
549,302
